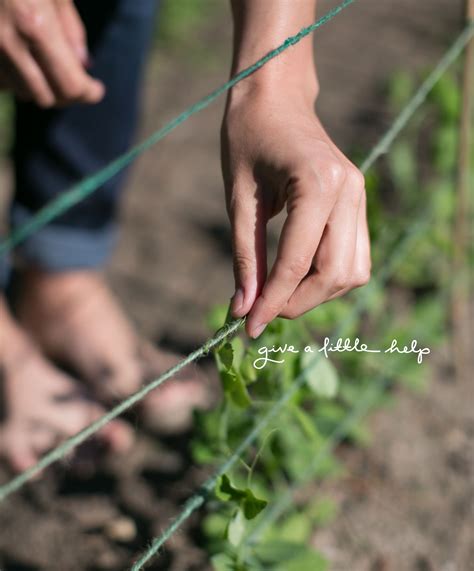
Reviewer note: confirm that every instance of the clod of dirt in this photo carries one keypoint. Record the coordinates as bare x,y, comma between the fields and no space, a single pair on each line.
122,529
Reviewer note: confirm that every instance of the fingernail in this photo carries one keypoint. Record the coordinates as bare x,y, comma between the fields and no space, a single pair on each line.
258,330
238,300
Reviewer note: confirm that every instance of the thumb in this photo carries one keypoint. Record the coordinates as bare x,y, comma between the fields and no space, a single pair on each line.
248,223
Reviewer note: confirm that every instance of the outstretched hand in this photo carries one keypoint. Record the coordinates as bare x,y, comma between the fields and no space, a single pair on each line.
43,53
275,153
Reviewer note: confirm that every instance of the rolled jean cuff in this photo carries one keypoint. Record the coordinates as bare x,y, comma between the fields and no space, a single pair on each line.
62,248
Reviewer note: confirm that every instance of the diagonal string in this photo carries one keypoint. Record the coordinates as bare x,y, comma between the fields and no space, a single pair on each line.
83,189
68,445
382,146
356,413
198,499
420,96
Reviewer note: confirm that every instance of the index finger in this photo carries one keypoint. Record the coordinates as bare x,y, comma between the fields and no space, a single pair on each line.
308,212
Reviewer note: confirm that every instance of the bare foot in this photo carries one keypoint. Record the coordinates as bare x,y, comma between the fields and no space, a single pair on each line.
40,405
75,319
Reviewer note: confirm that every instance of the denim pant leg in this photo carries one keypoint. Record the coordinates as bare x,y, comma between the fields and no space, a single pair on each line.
53,149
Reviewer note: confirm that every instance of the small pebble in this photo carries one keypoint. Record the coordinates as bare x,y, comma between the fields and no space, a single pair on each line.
121,529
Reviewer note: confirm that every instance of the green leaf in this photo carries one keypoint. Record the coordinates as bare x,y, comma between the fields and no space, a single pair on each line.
226,355
446,96
403,166
244,498
202,453
252,505
239,351
247,370
223,562
216,316
226,491
234,386
290,556
214,524
309,561
296,527
236,529
321,376
307,424
400,88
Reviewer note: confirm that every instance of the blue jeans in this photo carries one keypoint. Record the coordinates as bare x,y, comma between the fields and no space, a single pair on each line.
53,149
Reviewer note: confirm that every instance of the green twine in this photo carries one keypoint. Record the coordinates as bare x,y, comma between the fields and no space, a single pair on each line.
380,148
421,94
223,334
68,445
357,412
89,185
195,501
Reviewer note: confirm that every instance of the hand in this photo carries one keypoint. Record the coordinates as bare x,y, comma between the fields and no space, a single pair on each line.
43,52
276,152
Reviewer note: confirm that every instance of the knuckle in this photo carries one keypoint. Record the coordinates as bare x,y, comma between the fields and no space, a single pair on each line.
289,312
339,280
335,174
361,278
271,308
297,267
243,262
30,20
355,185
355,178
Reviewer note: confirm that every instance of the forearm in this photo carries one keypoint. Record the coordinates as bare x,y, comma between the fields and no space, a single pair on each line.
261,25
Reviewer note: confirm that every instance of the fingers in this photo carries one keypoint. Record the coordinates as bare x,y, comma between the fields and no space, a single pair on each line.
46,44
248,222
360,274
60,65
73,29
308,210
24,75
343,258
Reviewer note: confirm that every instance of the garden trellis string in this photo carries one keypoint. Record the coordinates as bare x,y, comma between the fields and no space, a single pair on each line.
381,147
198,499
363,404
91,184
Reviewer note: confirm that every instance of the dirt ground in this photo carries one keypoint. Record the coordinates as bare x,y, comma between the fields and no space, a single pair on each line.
406,502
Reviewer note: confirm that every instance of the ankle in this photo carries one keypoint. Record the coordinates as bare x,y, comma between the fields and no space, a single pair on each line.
57,292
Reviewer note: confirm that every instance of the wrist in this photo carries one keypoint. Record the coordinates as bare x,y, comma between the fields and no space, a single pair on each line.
259,27
273,88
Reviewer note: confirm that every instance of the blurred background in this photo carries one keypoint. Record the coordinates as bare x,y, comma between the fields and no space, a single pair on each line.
400,494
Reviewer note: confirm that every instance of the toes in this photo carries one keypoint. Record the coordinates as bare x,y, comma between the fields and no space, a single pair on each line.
66,419
118,382
20,455
118,435
170,408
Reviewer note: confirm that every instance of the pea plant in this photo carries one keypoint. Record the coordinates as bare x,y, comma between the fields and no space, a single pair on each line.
247,526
